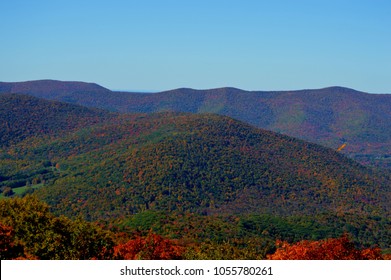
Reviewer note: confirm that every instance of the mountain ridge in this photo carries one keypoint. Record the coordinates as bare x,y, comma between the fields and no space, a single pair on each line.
329,116
49,84
203,163
50,118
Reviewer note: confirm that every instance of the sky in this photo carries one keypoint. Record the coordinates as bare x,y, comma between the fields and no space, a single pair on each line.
159,45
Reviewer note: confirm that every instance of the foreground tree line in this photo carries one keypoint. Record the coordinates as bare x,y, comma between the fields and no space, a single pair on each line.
28,230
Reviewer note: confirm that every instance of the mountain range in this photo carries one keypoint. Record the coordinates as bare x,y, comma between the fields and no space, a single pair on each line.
330,116
198,176
102,164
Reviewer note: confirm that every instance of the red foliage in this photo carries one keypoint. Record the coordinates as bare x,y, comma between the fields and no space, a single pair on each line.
9,249
329,249
151,247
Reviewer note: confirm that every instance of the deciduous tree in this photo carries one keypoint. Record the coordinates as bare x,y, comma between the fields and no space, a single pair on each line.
330,249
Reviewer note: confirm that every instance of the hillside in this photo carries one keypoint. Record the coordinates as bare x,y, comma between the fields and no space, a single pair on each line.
23,117
206,164
201,163
195,176
330,116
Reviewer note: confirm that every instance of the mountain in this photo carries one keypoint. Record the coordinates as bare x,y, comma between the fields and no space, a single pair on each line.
330,116
80,93
201,177
51,89
47,118
205,163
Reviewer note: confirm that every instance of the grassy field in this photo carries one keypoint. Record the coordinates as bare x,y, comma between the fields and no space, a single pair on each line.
21,190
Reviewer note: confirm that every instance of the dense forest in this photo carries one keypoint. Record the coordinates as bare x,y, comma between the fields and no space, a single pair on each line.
176,186
28,230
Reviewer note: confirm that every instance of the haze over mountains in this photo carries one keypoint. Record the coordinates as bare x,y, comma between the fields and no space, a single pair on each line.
330,116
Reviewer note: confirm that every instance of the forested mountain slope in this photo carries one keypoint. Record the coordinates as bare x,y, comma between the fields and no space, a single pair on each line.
330,116
197,176
200,163
23,117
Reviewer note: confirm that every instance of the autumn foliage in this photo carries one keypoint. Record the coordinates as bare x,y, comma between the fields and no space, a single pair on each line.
150,247
330,249
28,230
8,247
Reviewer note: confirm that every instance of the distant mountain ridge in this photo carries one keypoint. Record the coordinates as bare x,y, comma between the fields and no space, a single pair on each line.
329,116
50,88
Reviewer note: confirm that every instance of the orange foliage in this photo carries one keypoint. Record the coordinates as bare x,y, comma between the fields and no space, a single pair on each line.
26,257
329,249
9,249
151,247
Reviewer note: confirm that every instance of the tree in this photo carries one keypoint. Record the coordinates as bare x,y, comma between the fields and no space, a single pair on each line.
151,247
330,249
46,236
8,191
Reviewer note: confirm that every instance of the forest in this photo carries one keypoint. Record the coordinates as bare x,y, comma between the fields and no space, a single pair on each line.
83,183
29,231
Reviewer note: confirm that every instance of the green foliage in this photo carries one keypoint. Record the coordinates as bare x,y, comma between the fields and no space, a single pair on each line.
364,230
48,237
22,191
254,249
145,221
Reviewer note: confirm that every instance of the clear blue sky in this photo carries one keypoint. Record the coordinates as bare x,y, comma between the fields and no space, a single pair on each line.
159,45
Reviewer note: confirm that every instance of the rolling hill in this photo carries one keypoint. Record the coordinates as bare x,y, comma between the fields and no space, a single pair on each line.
48,118
330,116
202,177
168,161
